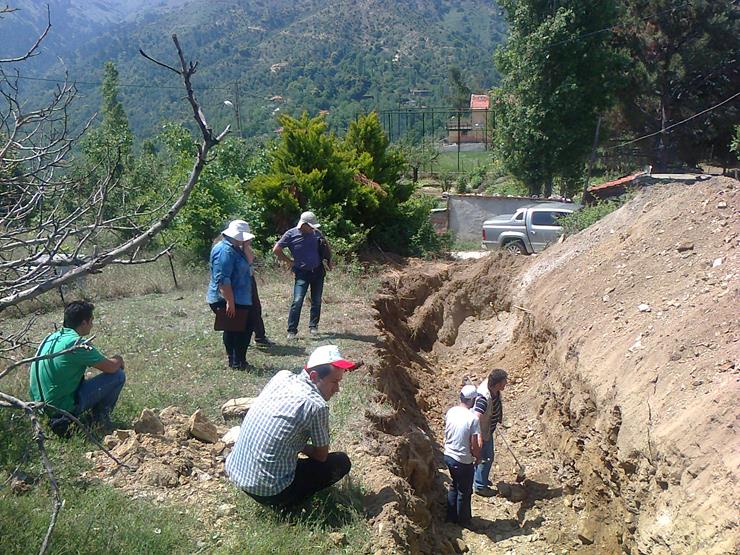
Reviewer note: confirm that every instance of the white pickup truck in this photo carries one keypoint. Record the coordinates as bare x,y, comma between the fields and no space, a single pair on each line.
529,230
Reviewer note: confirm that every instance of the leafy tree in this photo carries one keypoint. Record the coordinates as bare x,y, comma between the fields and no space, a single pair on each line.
684,59
366,136
352,184
459,96
557,76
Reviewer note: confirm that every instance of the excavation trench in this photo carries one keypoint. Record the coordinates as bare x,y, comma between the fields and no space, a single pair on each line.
626,448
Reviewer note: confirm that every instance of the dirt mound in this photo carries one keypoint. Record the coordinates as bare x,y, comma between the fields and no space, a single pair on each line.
166,459
621,345
640,377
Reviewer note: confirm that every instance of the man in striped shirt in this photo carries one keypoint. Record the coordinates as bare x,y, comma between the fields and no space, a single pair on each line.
289,417
489,410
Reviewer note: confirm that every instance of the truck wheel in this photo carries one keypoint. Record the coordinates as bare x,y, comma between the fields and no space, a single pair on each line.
516,247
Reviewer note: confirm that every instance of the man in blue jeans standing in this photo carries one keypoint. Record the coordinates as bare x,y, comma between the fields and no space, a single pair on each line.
59,380
309,250
489,410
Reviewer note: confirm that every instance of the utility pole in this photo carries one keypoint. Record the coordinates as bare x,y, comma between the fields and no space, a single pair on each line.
236,109
593,157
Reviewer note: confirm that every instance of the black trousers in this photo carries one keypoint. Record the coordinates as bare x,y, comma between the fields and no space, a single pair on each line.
236,343
259,324
311,476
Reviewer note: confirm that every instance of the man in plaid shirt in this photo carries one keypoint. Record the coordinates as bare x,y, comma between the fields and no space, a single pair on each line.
289,417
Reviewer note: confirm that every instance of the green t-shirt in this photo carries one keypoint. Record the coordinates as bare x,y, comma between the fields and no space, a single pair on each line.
59,377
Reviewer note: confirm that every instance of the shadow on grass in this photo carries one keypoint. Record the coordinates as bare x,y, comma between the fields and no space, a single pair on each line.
282,350
329,509
350,336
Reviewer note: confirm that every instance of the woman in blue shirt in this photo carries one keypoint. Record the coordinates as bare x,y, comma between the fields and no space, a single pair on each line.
231,286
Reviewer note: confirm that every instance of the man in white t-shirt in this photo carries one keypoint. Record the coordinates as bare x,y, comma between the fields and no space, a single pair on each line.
461,452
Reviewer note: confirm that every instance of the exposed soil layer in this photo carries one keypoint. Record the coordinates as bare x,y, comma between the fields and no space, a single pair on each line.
621,344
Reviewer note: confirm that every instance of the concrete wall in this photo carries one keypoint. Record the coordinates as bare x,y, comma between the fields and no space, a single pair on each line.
466,213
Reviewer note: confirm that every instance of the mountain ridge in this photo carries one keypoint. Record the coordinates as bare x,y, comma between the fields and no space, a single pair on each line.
339,56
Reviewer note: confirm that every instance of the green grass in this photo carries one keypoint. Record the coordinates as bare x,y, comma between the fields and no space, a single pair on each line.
173,357
447,161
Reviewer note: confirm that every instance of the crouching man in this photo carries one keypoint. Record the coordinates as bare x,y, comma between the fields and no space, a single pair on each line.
289,417
60,380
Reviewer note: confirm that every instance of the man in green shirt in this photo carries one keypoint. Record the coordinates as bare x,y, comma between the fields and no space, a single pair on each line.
60,381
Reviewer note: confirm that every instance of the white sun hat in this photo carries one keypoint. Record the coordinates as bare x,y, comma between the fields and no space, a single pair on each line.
310,219
238,230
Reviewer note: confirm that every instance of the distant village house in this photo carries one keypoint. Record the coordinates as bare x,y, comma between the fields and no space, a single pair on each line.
470,127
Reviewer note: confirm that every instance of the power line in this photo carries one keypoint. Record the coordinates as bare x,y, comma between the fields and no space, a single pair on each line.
725,101
133,85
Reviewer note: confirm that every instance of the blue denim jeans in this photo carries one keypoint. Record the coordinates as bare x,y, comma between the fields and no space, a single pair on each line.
99,394
304,279
460,491
484,468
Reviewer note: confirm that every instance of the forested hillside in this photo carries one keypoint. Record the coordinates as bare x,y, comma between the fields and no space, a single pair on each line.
344,56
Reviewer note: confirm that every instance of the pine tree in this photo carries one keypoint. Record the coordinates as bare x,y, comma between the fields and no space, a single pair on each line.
684,59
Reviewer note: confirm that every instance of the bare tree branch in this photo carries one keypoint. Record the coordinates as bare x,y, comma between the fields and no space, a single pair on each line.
31,51
55,228
84,344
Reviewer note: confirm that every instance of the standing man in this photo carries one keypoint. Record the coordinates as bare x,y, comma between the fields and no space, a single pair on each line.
60,380
309,250
462,447
489,410
230,287
289,417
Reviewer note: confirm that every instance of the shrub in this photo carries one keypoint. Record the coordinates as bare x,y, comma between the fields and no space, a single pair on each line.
589,215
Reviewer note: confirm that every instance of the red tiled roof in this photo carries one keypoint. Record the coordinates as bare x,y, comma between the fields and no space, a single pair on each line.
616,182
479,101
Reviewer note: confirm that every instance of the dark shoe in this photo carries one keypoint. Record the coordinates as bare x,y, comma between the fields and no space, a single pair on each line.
484,492
245,366
60,426
264,342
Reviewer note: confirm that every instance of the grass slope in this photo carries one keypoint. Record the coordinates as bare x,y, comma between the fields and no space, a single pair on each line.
174,358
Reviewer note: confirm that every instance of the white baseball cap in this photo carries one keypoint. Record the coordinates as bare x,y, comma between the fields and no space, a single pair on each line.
310,219
469,392
328,354
238,230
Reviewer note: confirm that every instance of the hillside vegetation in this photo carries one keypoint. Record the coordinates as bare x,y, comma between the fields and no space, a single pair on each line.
343,56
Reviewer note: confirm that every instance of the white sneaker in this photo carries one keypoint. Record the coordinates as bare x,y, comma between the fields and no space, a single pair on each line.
313,331
292,335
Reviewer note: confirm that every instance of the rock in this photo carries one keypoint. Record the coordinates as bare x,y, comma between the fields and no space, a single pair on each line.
586,530
20,482
552,536
686,246
643,307
226,509
170,412
236,408
722,204
148,423
230,437
201,428
338,538
717,262
157,474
